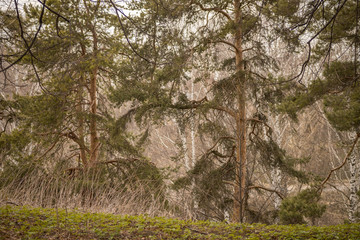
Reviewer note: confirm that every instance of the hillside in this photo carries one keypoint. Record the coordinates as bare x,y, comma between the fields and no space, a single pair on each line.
38,223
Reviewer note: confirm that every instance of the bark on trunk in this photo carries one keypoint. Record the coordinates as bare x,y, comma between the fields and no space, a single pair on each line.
193,148
184,148
240,166
192,128
353,189
80,111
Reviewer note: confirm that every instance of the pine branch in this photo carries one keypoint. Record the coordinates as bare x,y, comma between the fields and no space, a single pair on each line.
215,9
117,10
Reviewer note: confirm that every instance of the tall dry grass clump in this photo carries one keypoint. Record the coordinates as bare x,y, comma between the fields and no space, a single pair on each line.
120,189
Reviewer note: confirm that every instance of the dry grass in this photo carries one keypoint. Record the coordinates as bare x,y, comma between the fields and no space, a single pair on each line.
85,193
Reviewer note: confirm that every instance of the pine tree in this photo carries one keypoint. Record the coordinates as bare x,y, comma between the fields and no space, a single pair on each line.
70,64
67,131
200,30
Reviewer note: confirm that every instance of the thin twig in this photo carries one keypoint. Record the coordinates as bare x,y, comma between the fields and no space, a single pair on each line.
117,10
28,47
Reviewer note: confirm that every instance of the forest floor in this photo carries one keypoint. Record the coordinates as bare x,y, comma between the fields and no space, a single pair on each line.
38,223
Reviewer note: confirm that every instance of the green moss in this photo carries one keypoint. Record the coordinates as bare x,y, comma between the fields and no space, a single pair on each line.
37,223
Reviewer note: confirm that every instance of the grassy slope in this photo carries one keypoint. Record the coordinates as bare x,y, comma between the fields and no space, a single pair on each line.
37,223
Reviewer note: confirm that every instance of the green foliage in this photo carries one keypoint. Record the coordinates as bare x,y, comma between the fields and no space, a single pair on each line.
305,204
14,143
342,30
271,155
339,92
208,183
338,86
286,8
38,223
62,62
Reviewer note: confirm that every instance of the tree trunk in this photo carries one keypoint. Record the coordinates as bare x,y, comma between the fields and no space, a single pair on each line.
353,189
94,140
192,127
193,148
240,165
184,148
80,118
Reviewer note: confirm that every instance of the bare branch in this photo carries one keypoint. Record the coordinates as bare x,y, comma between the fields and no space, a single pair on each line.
28,47
342,164
117,10
227,43
217,141
332,20
224,109
54,12
266,189
48,150
6,123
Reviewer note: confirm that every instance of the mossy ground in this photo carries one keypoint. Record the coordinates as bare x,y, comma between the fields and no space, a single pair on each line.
39,223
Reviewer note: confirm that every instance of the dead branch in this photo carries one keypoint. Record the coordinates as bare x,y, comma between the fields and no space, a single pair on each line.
197,231
117,10
6,123
342,164
48,150
307,24
28,46
227,43
266,189
54,12
217,141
